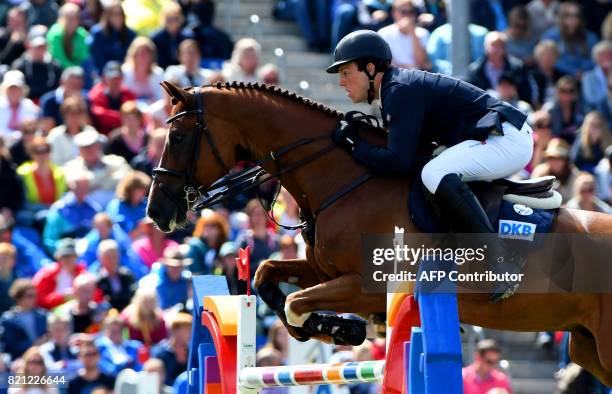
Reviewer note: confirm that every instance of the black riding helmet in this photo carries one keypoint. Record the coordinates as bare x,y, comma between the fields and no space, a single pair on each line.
362,45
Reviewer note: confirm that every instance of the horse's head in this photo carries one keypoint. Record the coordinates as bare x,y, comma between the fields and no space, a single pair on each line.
194,156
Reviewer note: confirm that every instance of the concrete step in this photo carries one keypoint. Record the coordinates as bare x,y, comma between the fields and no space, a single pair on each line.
244,8
533,386
267,27
530,369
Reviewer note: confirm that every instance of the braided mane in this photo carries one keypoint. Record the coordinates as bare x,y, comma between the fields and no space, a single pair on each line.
281,93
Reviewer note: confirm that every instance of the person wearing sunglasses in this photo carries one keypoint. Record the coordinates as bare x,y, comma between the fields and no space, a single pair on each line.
482,375
575,42
566,109
43,181
90,376
585,195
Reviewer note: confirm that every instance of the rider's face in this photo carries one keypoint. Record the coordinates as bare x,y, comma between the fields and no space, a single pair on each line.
354,82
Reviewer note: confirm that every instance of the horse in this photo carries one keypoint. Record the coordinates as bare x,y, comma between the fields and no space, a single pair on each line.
214,127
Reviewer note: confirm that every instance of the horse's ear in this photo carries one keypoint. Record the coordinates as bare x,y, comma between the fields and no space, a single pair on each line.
177,94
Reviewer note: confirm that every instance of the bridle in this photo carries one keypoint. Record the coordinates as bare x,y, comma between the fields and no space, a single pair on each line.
242,181
193,190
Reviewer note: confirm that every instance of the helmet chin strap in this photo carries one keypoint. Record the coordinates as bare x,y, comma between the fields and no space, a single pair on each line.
371,88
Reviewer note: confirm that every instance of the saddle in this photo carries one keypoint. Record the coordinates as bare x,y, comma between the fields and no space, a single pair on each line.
534,194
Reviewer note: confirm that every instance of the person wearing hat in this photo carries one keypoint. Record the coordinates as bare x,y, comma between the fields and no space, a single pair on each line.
14,106
42,73
107,170
169,277
486,138
107,97
559,165
54,281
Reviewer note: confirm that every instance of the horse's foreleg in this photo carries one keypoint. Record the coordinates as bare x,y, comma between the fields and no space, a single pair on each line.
583,351
297,271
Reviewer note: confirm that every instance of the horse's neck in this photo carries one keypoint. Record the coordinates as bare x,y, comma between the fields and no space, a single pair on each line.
272,125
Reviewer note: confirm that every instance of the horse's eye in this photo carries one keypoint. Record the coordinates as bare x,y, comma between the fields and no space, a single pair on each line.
176,138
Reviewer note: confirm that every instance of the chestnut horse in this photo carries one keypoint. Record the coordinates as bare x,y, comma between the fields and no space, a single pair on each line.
246,122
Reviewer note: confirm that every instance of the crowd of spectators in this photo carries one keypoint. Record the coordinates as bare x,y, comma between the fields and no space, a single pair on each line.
90,287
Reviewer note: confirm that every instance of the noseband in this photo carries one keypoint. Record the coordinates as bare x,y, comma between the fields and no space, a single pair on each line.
193,190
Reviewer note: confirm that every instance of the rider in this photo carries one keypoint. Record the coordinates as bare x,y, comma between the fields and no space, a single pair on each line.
487,138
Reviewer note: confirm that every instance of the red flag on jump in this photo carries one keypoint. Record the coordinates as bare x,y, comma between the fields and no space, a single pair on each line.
243,264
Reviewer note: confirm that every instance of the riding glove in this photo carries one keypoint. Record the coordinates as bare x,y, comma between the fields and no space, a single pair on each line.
345,136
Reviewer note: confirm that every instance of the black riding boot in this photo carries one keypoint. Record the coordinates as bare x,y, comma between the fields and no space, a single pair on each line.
464,214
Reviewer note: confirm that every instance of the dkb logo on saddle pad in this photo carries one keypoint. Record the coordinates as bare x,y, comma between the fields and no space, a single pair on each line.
516,230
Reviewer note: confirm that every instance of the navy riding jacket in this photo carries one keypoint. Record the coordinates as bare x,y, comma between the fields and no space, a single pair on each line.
419,108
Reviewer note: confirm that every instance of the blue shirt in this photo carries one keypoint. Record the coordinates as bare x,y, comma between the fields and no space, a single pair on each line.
126,215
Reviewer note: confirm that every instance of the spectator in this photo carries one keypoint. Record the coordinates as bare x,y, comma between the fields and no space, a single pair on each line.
85,313
131,137
189,72
40,12
71,84
107,170
262,240
174,351
68,39
603,172
288,249
144,17
54,281
141,73
43,181
278,339
606,28
24,325
72,214
91,13
439,46
226,265
595,81
129,206
103,228
585,196
30,257
313,19
269,74
542,134
546,74
144,319
486,71
593,138
565,109
353,15
90,376
211,231
408,41
110,39
33,365
151,246
117,353
573,39
156,367
521,40
107,97
19,150
482,376
116,282
558,164
11,192
507,90
150,157
58,354
62,137
14,106
170,36
543,16
169,277
8,258
13,36
491,13
245,61
42,73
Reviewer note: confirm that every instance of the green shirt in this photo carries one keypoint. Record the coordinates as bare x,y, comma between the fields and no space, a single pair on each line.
80,50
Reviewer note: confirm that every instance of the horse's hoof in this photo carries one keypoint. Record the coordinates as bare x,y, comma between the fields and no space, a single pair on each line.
294,319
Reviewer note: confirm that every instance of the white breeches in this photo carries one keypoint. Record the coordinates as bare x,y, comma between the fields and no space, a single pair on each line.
496,157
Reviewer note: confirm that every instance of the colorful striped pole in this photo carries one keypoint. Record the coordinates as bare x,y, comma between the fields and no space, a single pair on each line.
298,375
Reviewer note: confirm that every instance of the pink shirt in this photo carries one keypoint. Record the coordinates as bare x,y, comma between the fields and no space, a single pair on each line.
473,384
146,252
